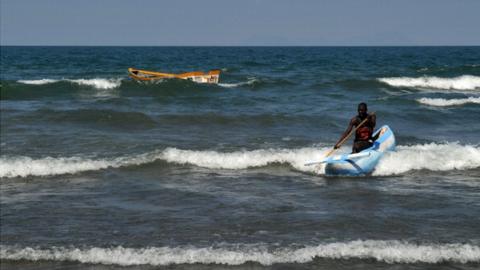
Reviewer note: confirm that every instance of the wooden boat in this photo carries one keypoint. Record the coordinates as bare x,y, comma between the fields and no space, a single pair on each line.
197,76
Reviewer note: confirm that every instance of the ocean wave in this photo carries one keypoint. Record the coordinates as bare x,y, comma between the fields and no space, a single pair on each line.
465,82
22,166
38,82
417,157
118,87
246,159
434,157
233,85
385,251
98,83
442,102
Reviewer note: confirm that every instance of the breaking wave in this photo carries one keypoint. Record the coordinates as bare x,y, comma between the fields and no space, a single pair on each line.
384,251
24,166
97,83
434,157
465,82
233,85
245,159
102,83
38,82
441,102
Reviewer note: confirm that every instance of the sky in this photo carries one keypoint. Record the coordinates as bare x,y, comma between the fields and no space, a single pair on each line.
240,23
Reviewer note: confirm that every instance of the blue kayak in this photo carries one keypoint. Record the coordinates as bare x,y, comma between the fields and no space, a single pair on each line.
364,162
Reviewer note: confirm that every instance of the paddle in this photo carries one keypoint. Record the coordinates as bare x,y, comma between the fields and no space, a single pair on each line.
342,141
341,158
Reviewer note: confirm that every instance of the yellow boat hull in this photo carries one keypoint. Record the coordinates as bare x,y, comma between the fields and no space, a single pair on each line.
197,76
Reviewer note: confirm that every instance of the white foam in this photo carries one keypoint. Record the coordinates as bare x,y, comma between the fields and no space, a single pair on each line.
22,166
246,159
465,82
432,156
98,83
441,102
385,251
233,85
38,82
435,157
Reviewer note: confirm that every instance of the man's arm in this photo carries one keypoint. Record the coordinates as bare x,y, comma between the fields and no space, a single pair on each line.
345,134
373,120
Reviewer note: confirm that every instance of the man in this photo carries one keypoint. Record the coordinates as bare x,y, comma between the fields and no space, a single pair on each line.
363,134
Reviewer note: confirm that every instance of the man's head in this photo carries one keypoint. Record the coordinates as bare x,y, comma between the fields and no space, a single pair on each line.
362,109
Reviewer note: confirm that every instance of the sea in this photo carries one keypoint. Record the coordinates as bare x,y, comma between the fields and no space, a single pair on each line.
98,171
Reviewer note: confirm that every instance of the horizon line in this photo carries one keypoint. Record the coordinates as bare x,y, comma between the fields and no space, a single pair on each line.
59,45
